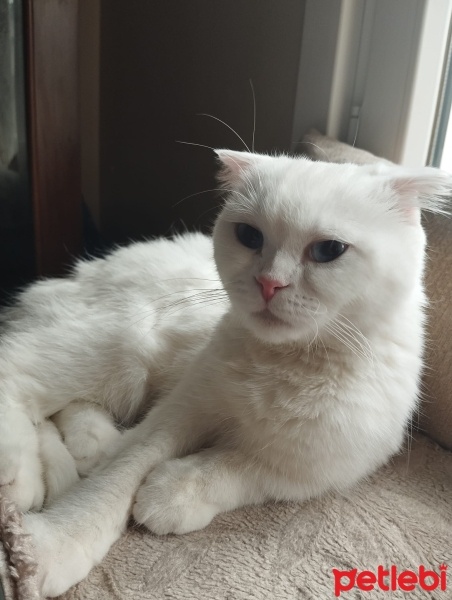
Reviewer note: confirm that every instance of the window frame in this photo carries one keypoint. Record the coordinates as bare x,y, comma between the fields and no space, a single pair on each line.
379,89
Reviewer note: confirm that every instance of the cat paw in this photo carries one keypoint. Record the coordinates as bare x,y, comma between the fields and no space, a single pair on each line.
21,478
62,561
170,500
93,445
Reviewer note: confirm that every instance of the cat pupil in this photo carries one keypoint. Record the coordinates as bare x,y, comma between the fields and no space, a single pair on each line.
327,250
248,236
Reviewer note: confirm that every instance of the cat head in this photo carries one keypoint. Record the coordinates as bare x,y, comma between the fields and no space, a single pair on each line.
304,248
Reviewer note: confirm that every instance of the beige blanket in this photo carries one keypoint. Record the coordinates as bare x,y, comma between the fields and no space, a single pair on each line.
402,516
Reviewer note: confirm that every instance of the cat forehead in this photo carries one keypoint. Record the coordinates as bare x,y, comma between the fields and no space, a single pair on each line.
305,193
241,167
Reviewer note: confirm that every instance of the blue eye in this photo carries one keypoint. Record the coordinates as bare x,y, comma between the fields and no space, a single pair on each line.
248,236
327,250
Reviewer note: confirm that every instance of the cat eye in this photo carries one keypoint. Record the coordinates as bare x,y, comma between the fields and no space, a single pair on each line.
248,236
327,250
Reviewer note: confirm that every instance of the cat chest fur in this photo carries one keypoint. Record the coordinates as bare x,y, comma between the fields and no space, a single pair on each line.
301,413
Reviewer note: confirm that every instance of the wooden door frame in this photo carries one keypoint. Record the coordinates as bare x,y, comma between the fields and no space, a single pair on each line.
52,83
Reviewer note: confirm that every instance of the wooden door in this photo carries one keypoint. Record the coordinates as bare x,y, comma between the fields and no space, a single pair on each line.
52,88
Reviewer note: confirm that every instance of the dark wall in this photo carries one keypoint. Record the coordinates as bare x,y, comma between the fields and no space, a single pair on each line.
162,63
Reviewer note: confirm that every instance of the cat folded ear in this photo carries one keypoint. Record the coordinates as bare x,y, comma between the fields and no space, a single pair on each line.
234,165
424,188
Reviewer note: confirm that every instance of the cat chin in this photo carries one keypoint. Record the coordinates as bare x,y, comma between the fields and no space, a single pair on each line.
267,318
270,329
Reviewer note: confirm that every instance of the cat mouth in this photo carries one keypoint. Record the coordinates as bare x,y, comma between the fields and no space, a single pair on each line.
267,317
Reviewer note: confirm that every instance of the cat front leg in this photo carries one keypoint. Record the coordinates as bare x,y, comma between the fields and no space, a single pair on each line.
75,532
21,478
183,495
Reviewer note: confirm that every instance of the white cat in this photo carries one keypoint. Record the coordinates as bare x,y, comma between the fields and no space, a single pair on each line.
301,383
112,336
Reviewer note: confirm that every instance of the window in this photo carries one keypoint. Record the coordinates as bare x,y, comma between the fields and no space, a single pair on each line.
386,64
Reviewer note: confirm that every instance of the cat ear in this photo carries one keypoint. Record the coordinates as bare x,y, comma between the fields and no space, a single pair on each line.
234,164
418,189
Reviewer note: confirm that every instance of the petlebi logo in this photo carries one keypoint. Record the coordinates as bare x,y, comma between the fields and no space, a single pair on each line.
390,580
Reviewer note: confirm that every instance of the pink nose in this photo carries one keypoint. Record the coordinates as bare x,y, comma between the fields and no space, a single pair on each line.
269,287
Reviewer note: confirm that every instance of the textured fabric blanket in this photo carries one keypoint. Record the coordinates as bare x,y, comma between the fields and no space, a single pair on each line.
400,517
17,562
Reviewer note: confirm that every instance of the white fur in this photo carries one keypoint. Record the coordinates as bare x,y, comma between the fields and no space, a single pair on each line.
115,333
89,433
59,465
286,400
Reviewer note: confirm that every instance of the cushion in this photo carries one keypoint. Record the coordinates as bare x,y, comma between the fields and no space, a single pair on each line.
401,516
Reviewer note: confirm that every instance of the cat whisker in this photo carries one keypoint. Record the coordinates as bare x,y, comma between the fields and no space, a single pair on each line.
316,332
254,113
409,438
351,325
218,189
205,294
317,310
212,208
170,310
226,125
347,342
180,305
190,279
354,332
324,347
183,300
196,291
356,336
352,343
194,144
318,148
